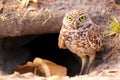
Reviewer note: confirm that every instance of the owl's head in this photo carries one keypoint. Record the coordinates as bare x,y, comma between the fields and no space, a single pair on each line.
77,19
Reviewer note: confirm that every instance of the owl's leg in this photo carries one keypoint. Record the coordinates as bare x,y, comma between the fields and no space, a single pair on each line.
91,59
84,60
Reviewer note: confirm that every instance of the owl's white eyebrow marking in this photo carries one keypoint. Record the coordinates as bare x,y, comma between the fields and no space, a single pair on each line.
81,14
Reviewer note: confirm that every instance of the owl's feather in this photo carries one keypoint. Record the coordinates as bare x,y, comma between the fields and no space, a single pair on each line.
95,41
61,42
95,38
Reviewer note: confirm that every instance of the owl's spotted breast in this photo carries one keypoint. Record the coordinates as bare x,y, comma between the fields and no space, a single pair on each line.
77,42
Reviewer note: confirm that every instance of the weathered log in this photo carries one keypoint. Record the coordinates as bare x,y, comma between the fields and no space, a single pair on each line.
30,23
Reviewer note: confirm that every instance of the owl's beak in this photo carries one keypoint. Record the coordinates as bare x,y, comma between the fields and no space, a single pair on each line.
75,24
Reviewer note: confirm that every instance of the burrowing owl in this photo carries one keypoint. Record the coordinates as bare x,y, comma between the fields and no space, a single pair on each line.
81,36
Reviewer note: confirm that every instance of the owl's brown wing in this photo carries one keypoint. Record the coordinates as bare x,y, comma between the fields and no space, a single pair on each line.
95,39
61,42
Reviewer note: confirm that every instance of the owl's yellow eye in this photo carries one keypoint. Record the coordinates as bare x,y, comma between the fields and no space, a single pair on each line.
69,19
82,18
